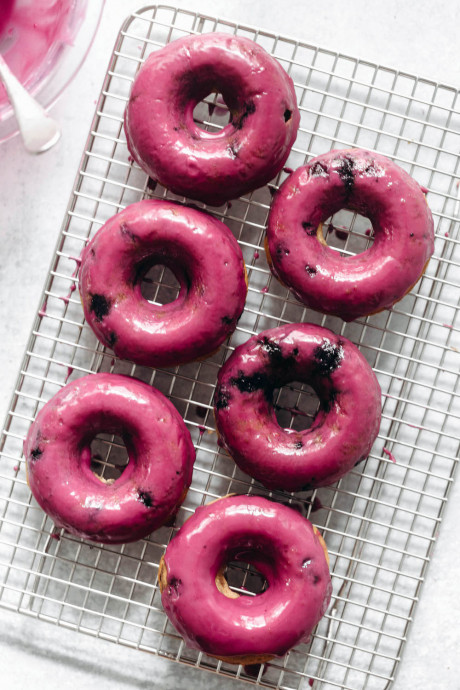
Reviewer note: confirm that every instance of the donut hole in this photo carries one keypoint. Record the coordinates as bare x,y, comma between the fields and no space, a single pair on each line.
212,113
296,405
239,578
348,232
109,457
159,285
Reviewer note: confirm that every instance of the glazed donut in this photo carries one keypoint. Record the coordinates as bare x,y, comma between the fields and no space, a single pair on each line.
284,547
368,282
247,153
205,259
343,430
58,456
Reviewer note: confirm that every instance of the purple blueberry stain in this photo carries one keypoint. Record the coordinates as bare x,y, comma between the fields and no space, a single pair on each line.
36,453
145,497
174,587
345,172
318,169
100,306
222,399
112,339
328,357
309,228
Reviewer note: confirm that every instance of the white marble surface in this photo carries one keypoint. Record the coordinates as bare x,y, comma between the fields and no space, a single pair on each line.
416,36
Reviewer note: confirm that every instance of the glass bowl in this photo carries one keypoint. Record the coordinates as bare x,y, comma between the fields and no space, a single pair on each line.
58,35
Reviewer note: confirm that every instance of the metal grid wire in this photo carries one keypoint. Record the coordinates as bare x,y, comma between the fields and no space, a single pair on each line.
381,520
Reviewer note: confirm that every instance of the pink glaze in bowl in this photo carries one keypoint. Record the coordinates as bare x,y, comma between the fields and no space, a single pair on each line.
44,42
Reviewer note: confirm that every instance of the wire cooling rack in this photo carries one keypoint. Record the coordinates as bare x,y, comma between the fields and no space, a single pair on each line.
381,520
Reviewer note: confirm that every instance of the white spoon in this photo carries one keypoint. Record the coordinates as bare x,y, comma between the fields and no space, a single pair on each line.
38,130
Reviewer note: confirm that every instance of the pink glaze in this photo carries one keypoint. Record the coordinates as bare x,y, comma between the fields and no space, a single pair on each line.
58,456
343,430
247,153
31,35
6,8
275,539
372,280
207,262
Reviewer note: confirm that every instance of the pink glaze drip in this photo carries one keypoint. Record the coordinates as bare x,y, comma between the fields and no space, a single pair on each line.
66,299
58,457
373,280
31,35
294,411
207,262
42,311
276,540
247,153
343,430
390,454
